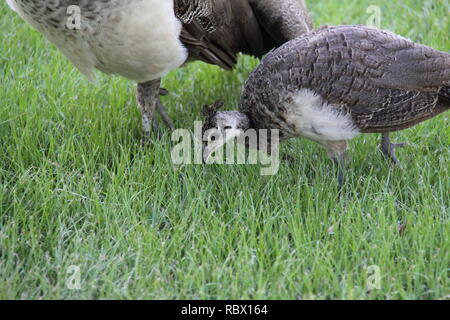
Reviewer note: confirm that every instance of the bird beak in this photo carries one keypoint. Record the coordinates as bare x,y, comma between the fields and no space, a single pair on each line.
222,138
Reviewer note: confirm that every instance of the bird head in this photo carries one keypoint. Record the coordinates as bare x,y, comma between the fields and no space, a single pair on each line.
220,127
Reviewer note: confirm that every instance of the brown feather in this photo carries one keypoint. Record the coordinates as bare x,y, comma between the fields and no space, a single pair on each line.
216,31
384,81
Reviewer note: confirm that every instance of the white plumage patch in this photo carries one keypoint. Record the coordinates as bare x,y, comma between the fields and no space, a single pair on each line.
12,4
137,39
315,119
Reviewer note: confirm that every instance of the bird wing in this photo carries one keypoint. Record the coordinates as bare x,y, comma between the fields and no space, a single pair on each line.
382,79
282,20
203,49
199,22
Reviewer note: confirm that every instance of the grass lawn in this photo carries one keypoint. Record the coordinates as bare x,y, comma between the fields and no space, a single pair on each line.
78,189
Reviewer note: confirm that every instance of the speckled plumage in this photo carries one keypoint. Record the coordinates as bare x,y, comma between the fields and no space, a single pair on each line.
384,81
216,31
333,83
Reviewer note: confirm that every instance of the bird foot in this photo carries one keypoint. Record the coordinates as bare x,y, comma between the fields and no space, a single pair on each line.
154,126
337,151
340,163
164,116
148,96
388,150
163,112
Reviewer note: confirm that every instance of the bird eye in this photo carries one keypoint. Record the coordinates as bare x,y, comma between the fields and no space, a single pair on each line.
228,128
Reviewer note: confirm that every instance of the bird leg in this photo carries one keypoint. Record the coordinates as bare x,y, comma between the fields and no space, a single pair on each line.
148,94
388,148
164,115
163,111
337,151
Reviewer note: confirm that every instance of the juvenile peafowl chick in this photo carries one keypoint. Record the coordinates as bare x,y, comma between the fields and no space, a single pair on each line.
335,83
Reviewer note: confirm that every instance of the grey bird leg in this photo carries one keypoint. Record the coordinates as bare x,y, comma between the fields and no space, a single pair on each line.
164,116
340,163
163,111
337,151
148,98
388,148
